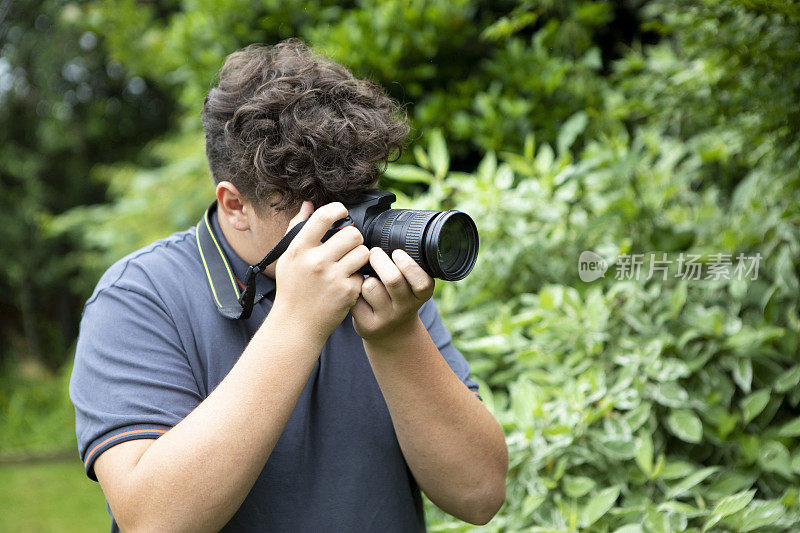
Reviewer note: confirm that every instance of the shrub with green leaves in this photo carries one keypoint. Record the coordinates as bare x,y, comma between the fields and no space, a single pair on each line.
629,405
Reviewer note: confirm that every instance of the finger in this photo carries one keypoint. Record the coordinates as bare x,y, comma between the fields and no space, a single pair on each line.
362,311
319,222
420,282
375,294
305,211
390,276
354,259
355,281
341,243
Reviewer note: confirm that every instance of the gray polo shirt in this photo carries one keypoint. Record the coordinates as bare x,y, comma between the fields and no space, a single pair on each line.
152,346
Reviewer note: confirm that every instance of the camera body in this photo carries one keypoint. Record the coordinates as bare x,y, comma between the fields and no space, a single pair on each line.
367,207
443,243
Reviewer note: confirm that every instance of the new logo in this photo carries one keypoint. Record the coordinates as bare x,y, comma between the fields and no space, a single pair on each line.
591,266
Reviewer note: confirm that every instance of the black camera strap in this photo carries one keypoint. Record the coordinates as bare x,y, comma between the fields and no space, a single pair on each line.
231,303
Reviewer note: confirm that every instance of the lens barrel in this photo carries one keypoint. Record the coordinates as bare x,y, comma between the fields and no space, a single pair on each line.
443,243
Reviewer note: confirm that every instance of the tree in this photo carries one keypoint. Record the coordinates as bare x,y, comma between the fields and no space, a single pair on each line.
63,107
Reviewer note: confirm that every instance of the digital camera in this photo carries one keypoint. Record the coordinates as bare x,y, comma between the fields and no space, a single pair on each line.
443,243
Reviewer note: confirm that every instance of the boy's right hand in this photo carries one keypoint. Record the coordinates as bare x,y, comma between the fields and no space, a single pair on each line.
317,283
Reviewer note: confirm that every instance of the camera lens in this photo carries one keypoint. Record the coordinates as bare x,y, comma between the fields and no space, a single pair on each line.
443,243
452,249
451,245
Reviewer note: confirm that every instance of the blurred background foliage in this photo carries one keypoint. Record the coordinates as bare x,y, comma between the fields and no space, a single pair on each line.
667,126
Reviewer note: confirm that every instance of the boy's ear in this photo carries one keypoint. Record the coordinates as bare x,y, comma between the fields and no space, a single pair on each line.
233,206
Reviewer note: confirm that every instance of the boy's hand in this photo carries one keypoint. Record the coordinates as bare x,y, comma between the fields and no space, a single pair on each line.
387,308
317,283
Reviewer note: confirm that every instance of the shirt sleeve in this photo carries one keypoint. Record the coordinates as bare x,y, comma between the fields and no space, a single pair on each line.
444,342
131,378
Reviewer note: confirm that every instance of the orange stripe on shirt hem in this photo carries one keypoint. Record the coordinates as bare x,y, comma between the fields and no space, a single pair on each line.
162,431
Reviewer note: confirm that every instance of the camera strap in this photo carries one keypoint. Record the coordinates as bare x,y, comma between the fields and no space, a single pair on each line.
231,303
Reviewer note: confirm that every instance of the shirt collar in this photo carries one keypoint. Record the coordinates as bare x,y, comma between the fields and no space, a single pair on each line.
265,285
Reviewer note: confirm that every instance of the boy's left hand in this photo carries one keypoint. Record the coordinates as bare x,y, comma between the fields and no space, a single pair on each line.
387,307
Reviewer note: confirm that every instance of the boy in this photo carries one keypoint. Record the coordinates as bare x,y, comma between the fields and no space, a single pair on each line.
340,397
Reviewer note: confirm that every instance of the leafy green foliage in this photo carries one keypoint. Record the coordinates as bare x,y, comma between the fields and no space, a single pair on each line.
37,414
64,106
631,405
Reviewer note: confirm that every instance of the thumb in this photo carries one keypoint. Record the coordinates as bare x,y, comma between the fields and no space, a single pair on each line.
305,211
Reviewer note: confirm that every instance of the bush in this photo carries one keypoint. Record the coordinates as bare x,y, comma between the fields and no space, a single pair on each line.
37,414
631,405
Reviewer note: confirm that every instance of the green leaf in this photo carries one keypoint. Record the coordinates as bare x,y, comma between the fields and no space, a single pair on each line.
691,481
531,502
754,404
644,453
685,425
774,457
529,149
728,483
658,467
743,373
577,486
677,298
630,528
545,158
677,470
437,151
680,508
796,463
712,521
736,502
598,505
488,166
760,514
408,174
573,127
617,449
504,177
670,394
421,157
788,380
655,521
726,424
790,429
638,416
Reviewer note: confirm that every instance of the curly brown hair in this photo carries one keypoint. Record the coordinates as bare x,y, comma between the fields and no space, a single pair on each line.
285,124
